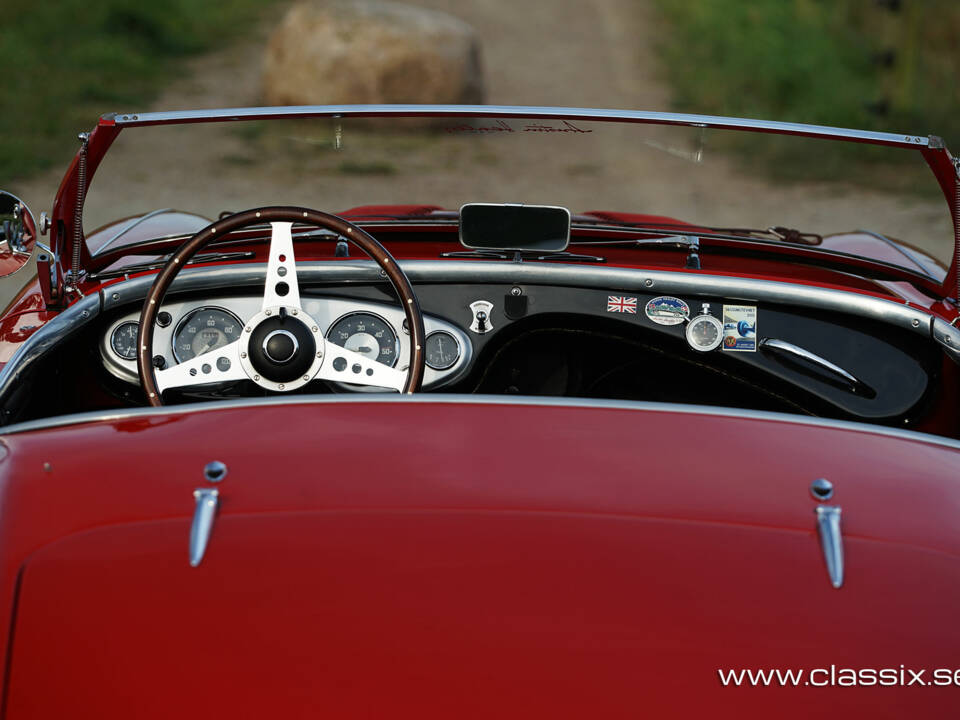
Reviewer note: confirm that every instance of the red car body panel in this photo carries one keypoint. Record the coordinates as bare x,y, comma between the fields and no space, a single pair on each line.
501,559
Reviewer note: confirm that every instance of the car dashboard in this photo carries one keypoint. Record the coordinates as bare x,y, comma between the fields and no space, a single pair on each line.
564,331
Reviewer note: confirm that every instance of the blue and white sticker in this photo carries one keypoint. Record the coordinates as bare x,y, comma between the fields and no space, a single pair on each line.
666,310
740,328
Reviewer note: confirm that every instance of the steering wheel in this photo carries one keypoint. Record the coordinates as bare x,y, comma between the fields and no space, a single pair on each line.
281,348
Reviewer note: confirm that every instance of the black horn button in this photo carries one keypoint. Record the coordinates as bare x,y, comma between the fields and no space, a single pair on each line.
280,346
282,349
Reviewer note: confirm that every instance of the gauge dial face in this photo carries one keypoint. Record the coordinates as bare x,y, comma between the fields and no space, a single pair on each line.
203,330
443,350
704,333
368,335
123,341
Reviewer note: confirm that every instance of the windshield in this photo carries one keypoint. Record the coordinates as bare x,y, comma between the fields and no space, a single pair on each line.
707,177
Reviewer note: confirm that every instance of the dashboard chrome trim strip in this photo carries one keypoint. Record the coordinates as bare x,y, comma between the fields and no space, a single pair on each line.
918,142
532,273
456,399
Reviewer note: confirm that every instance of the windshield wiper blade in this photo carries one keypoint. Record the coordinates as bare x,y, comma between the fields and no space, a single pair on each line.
778,232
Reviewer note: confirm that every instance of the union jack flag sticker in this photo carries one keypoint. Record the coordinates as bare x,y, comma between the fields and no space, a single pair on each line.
616,303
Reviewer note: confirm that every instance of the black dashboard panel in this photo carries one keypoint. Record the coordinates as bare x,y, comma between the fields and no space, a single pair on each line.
897,372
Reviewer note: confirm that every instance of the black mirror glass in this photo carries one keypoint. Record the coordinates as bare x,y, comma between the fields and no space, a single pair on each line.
533,228
18,234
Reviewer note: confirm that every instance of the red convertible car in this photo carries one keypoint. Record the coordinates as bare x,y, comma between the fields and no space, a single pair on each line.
456,412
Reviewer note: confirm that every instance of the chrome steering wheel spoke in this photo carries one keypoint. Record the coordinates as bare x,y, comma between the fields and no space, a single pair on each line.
218,365
347,366
281,286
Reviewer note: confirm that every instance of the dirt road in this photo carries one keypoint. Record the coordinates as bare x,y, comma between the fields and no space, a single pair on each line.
595,53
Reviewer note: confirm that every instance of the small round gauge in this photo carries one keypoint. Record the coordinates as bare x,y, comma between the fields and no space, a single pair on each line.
443,350
367,334
704,333
203,330
123,341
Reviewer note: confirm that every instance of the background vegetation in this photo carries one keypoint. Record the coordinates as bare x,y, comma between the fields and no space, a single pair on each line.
888,65
65,62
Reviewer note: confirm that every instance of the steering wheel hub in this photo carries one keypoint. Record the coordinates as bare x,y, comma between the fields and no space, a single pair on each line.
281,351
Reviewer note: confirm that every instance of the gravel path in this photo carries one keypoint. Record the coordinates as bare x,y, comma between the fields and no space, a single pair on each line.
586,53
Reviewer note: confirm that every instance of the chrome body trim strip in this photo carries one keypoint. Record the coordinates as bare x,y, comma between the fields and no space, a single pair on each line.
917,142
502,400
831,541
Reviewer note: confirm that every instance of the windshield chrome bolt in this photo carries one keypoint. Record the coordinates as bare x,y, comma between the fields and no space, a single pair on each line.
916,323
821,489
648,282
115,296
515,291
214,471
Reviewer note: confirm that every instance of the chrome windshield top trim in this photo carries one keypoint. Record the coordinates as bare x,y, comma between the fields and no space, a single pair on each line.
453,399
917,142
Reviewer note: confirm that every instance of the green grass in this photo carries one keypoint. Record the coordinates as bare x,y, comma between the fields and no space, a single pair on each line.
66,62
814,61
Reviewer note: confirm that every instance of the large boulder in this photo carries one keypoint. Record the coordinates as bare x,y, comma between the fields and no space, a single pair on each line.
371,51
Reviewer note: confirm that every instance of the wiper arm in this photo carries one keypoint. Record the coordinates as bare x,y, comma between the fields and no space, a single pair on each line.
778,232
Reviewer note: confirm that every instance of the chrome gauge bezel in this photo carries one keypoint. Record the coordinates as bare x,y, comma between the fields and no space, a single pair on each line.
346,316
186,317
711,320
456,344
113,334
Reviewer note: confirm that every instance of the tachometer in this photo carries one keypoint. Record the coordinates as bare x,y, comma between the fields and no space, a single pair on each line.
368,334
203,330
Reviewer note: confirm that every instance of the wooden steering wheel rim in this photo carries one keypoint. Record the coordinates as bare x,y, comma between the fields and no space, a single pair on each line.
303,216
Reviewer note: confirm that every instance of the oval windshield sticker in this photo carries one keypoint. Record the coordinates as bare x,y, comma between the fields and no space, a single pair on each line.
666,310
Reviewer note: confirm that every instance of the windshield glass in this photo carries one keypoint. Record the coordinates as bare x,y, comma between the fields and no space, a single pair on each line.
707,177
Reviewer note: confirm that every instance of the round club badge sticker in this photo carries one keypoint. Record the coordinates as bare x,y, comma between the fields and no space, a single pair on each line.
666,310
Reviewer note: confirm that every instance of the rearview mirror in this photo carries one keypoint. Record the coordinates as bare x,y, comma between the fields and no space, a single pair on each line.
18,234
518,228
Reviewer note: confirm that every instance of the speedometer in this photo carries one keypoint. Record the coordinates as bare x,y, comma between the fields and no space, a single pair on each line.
367,334
203,330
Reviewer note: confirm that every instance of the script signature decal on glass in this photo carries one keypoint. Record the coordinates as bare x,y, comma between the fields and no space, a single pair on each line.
502,126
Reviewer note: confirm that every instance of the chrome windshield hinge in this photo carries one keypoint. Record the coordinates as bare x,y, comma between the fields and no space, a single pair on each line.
205,510
828,527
